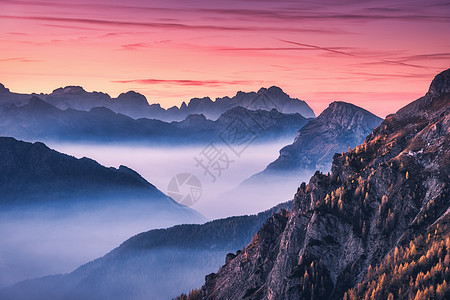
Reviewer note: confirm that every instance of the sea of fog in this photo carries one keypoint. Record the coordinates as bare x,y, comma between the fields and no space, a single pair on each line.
39,245
159,165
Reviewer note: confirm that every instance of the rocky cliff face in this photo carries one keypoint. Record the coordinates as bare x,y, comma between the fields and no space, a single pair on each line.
340,126
380,196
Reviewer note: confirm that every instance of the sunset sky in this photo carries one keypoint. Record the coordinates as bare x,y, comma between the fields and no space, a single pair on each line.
379,55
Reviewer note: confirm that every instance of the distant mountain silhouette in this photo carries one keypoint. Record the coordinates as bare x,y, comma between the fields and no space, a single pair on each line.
135,105
33,172
37,120
264,99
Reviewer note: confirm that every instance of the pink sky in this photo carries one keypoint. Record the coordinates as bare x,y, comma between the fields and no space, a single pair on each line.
379,55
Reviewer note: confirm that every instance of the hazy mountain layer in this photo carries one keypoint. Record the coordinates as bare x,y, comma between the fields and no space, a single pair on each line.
52,204
39,121
159,264
135,105
33,172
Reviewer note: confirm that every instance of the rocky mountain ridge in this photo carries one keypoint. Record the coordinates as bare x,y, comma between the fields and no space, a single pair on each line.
340,126
34,171
38,120
381,196
136,106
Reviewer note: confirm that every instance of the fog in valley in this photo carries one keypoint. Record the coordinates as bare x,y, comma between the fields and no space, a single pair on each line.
40,241
218,199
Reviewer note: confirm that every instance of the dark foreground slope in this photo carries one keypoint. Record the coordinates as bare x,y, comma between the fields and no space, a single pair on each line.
158,264
391,192
32,172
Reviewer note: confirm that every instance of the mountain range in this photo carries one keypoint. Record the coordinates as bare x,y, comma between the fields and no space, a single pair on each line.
376,227
38,120
136,105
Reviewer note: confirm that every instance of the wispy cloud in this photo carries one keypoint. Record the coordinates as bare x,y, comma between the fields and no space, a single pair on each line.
284,10
261,49
70,27
18,33
383,76
425,57
19,59
162,25
315,47
132,47
176,24
185,82
379,61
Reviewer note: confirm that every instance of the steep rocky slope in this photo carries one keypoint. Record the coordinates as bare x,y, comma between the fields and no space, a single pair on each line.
383,194
340,126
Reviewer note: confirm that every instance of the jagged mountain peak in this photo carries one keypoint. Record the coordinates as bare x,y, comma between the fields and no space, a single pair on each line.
338,127
272,90
69,90
132,93
193,120
133,98
37,104
3,89
235,110
440,84
135,105
347,114
437,98
343,108
192,117
101,110
198,102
